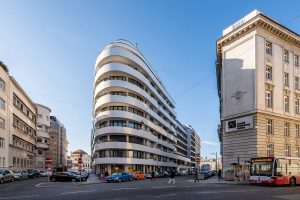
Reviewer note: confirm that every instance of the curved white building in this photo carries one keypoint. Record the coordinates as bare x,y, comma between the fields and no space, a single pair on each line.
43,138
135,126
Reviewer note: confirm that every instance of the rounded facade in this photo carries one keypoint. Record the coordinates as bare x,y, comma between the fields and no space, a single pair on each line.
134,117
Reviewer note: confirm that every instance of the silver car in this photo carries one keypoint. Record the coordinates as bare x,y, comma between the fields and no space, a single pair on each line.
6,176
20,175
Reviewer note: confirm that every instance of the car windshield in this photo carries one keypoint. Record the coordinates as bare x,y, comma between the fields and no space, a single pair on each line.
16,172
115,174
261,169
1,171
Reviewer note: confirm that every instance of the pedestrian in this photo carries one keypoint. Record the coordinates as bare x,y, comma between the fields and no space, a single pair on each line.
196,175
172,177
220,174
106,174
152,176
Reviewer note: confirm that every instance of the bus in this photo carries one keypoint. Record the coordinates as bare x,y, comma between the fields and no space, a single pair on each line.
275,170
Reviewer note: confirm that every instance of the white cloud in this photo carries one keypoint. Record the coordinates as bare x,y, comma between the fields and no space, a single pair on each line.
210,143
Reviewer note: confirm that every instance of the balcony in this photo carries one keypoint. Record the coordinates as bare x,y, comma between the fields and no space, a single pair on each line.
40,145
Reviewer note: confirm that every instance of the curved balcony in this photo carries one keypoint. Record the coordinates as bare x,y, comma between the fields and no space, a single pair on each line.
40,145
114,160
133,132
106,99
134,117
43,134
129,86
128,55
132,146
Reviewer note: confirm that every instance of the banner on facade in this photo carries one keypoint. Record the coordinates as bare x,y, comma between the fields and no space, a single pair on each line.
239,124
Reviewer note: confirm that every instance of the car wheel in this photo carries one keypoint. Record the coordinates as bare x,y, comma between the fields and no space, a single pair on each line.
73,180
20,178
119,180
292,182
130,179
1,181
53,179
12,180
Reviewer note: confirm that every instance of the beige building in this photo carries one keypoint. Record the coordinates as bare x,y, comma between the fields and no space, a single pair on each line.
43,137
86,160
258,85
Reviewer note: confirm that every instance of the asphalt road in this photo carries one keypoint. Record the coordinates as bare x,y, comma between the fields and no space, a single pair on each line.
184,189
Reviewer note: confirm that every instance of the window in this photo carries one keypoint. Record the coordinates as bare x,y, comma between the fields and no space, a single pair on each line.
269,126
2,85
296,60
286,129
297,131
268,47
286,55
286,103
286,79
296,82
40,115
2,143
287,151
269,98
270,150
298,152
2,123
268,73
2,104
40,152
297,106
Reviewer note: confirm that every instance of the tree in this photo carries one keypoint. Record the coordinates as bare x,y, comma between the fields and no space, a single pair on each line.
3,66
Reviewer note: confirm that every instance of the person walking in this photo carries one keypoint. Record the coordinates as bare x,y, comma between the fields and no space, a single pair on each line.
196,175
220,174
152,176
172,177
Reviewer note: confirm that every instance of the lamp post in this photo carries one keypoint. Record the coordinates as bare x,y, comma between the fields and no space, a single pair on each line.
216,160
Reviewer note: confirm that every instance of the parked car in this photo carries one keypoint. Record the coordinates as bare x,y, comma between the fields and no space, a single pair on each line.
120,177
80,175
6,176
32,173
148,175
20,175
85,175
64,176
138,175
164,175
45,173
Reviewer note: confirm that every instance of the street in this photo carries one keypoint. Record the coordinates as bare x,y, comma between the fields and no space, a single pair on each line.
184,188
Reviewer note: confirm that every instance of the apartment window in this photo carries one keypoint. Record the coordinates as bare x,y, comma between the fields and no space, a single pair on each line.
268,72
298,152
2,85
286,103
287,151
268,47
40,115
286,79
270,150
269,126
286,129
2,104
297,101
296,82
269,98
296,60
297,130
286,55
2,123
2,143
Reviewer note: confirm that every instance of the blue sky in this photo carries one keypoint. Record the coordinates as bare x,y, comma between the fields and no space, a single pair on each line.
50,47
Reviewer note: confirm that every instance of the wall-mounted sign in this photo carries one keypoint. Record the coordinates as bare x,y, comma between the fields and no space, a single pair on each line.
239,124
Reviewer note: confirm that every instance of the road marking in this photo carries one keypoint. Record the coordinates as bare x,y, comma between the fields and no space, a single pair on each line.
75,192
126,189
289,197
164,195
202,185
225,191
170,186
20,197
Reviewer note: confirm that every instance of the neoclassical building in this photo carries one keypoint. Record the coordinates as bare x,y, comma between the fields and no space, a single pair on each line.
135,125
258,85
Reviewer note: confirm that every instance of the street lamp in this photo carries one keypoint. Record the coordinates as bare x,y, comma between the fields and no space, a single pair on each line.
216,160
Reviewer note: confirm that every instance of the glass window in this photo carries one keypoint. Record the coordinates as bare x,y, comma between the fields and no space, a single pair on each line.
297,101
286,103
286,79
297,131
296,82
286,129
268,47
297,60
269,126
2,104
269,98
2,143
268,73
287,151
297,151
2,123
2,85
286,55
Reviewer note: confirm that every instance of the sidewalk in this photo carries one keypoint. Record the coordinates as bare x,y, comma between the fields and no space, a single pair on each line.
93,179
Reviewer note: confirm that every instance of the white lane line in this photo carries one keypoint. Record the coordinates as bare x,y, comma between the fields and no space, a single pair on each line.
171,186
191,186
75,192
125,189
225,191
165,195
20,197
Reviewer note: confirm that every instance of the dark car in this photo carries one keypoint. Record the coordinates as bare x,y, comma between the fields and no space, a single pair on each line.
65,176
32,173
120,177
6,176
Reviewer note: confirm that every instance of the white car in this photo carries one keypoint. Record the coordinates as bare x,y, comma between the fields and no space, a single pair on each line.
45,173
